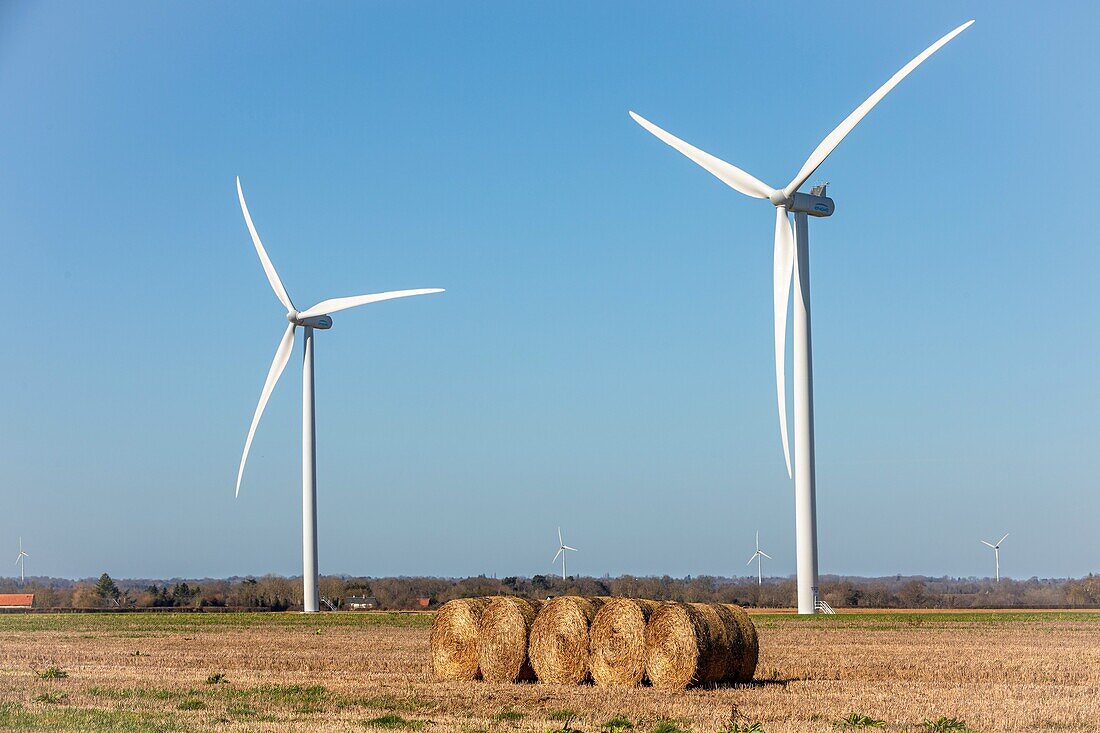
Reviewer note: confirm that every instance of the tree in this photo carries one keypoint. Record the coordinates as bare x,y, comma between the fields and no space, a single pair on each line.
85,596
106,589
912,594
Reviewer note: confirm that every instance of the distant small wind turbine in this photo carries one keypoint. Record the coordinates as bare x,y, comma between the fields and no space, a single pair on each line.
996,553
19,561
759,554
562,548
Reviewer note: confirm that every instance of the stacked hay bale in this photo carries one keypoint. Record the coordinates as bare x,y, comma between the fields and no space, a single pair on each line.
696,644
617,642
559,648
612,641
503,636
454,639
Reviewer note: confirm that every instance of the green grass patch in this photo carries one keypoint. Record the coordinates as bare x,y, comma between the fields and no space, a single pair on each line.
858,720
753,727
618,724
240,710
303,698
394,722
892,620
51,673
51,698
191,704
14,717
509,716
945,725
128,625
565,718
141,693
667,726
287,695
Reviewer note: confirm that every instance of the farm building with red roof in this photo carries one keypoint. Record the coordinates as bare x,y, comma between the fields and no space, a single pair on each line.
16,600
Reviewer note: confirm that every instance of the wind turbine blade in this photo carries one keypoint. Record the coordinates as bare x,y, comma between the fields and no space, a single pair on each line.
339,304
269,269
730,175
560,550
751,559
567,547
987,544
560,540
1002,539
782,271
282,355
765,554
822,151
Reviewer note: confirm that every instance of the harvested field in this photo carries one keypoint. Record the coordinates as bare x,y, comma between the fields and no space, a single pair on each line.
346,671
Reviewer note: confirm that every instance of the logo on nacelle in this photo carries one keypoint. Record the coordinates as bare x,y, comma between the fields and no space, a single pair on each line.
821,207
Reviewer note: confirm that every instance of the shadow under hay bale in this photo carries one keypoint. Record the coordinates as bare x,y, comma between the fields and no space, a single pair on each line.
454,639
559,639
503,636
692,644
617,651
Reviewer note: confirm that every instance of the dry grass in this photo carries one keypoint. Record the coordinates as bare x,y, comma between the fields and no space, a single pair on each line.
997,672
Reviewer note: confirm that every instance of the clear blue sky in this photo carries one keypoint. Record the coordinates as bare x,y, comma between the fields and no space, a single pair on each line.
602,358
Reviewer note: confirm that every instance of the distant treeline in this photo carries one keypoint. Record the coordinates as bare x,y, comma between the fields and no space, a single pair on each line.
278,593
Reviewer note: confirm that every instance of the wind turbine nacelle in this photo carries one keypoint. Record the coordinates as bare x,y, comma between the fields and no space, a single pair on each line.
321,322
807,203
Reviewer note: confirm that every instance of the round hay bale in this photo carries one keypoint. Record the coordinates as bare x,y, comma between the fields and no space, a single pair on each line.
559,639
616,640
454,639
502,639
751,645
691,643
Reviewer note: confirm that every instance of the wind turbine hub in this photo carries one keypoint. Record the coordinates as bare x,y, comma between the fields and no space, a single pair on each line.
318,322
778,198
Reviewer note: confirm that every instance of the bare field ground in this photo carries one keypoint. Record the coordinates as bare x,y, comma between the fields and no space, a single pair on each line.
1030,671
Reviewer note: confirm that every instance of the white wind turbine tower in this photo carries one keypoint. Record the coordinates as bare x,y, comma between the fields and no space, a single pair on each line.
792,260
996,554
757,556
562,549
312,318
19,561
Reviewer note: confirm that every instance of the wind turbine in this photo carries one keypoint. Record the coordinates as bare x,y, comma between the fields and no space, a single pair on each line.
562,549
791,259
316,317
757,556
996,554
19,561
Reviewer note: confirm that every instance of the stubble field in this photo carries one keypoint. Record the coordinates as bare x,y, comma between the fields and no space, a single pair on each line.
344,671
